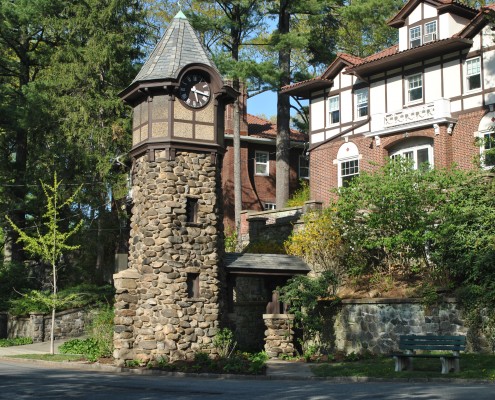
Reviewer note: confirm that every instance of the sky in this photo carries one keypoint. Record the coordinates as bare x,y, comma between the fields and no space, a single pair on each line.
264,103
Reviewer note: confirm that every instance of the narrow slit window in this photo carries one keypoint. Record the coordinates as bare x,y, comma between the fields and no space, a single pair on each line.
192,210
192,286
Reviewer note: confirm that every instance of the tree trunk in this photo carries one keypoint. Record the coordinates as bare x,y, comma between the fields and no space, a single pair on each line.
283,114
237,171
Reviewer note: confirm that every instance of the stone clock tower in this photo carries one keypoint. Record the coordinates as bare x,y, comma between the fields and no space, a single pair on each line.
167,301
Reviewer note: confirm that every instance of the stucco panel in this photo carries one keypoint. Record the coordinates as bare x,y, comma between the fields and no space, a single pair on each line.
317,113
433,76
452,79
346,106
377,97
473,102
394,94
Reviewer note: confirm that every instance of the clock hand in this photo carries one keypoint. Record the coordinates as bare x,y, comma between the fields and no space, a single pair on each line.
194,90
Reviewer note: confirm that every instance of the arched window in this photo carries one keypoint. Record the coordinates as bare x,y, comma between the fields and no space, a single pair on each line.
419,150
348,163
486,135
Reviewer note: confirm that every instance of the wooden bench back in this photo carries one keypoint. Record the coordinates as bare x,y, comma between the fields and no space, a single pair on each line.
431,342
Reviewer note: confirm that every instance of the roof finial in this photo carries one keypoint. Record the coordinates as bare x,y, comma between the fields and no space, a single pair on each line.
180,14
180,5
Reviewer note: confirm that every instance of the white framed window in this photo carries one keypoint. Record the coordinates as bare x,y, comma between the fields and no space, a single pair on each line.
473,73
334,110
349,169
418,150
303,167
362,103
415,37
262,163
414,88
347,163
269,206
430,32
488,157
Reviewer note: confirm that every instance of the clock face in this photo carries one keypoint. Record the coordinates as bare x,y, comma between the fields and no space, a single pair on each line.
194,90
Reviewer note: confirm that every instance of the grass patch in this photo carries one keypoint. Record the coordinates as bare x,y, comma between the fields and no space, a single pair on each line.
473,366
50,357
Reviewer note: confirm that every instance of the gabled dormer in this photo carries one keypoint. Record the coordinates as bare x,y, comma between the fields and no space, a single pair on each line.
421,22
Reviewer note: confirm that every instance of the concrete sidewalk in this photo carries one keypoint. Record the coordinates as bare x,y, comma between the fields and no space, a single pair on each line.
35,348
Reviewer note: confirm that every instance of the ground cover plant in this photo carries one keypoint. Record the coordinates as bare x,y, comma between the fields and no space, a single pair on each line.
15,342
473,366
99,344
235,363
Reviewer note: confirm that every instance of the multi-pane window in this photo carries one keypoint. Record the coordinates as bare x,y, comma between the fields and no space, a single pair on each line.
334,110
473,73
430,32
348,170
415,87
303,167
262,166
420,155
362,103
269,206
489,149
415,37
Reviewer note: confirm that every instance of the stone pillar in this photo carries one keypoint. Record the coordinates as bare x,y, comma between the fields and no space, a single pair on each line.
38,326
126,283
279,334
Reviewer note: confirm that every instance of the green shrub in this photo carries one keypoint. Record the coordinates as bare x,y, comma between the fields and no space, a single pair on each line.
78,296
300,196
15,342
100,342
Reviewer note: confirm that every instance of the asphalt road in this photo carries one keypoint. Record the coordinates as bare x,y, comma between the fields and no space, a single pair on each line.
30,381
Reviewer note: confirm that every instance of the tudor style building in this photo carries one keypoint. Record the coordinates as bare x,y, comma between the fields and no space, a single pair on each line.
430,98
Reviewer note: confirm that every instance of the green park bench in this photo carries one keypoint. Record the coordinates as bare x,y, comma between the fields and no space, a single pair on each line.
410,344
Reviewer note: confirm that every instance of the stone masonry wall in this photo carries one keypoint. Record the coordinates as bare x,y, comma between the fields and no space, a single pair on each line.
156,313
68,324
375,325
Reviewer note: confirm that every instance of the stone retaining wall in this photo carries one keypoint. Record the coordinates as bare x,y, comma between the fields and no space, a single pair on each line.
375,325
68,324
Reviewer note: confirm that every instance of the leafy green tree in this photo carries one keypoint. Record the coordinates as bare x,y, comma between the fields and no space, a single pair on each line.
389,217
320,244
50,243
363,30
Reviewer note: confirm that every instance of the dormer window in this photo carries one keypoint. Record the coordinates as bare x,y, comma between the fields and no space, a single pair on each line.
430,32
415,37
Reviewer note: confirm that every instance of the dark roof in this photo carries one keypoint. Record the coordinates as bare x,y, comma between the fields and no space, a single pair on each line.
262,128
178,47
270,264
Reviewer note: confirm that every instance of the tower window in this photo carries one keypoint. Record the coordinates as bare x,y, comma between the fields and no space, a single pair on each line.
192,286
192,210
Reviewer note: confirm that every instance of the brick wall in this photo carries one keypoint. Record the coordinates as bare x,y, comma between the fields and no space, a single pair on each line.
458,148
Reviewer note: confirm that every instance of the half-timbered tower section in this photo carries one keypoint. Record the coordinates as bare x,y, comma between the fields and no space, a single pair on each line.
430,98
168,300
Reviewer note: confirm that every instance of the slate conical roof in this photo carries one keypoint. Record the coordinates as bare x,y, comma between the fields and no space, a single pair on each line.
178,47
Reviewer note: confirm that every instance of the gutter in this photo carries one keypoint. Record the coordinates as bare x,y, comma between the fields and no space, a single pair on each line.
252,139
